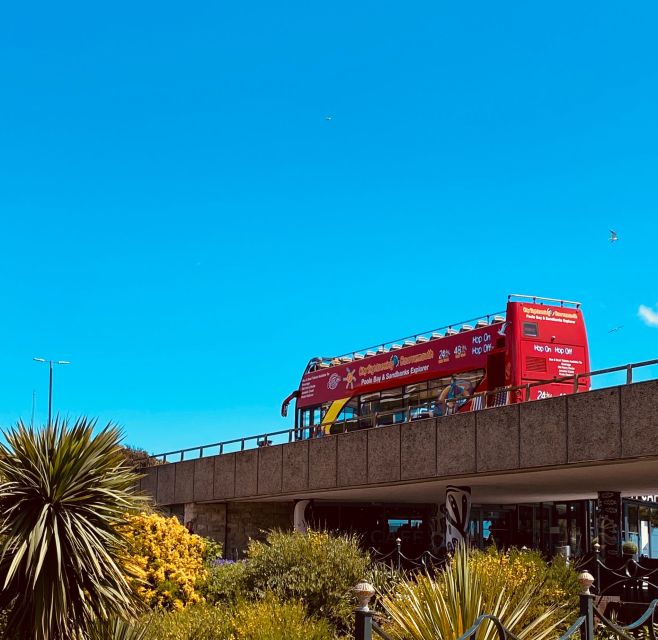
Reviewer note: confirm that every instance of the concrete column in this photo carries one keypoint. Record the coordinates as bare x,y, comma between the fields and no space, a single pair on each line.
299,518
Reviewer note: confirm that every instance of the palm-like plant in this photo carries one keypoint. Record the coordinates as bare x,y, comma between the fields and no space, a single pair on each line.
63,496
447,606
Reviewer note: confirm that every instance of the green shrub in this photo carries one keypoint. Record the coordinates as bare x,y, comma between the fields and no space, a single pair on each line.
557,582
316,567
270,619
226,582
267,619
196,622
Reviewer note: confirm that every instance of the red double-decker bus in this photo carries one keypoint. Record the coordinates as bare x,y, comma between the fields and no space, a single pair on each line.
460,367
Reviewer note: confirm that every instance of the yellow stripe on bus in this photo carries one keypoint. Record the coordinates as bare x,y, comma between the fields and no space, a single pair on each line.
332,413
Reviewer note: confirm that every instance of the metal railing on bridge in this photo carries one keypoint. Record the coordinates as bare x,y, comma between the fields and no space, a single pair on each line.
624,374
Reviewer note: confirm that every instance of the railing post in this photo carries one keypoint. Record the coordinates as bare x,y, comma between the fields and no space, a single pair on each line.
575,383
527,392
363,625
398,544
586,606
242,444
597,560
363,616
629,374
221,448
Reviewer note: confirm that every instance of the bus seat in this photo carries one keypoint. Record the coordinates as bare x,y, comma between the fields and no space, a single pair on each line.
466,327
420,339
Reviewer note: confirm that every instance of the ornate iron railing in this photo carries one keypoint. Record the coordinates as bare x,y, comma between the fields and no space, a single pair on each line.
630,580
478,402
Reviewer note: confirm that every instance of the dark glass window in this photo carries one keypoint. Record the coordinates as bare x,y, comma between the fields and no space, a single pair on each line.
530,329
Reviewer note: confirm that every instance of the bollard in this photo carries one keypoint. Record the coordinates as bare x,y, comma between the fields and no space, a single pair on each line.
398,544
586,606
364,592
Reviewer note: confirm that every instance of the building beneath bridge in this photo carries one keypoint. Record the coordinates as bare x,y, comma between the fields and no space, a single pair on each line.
545,474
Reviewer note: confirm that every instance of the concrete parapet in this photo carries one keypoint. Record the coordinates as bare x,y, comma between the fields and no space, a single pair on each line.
384,454
639,419
295,466
246,473
322,462
166,484
184,482
594,425
352,467
497,438
148,483
224,484
543,432
270,463
607,424
418,450
455,444
204,471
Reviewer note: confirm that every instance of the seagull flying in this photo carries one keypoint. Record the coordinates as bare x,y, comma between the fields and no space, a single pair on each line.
616,329
613,236
328,117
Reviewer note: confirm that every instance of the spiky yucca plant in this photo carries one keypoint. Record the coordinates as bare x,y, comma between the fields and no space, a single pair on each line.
447,606
63,494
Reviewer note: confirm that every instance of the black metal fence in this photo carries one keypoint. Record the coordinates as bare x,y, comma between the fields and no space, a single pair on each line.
625,577
396,559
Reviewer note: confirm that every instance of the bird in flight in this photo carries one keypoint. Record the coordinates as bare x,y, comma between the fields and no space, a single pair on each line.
616,329
328,117
613,236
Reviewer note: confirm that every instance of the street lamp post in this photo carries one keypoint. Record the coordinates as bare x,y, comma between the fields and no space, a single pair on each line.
50,383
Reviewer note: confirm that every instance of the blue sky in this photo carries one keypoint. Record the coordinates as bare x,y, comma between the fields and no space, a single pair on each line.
183,223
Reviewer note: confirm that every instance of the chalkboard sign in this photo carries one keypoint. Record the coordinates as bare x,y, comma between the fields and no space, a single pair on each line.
609,516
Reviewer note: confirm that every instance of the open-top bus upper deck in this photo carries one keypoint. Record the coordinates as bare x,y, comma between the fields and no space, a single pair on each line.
534,339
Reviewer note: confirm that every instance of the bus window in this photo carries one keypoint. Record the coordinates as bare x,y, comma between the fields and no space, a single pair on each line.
391,406
530,329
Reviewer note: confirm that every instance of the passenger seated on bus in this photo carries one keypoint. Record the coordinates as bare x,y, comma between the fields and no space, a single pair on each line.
453,392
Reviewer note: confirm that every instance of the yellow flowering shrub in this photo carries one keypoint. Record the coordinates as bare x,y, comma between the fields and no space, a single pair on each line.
169,561
509,571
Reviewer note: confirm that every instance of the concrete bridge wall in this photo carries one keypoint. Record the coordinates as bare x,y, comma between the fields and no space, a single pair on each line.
605,425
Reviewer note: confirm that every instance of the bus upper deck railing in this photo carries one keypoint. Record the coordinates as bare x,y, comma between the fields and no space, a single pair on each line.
479,401
487,318
496,317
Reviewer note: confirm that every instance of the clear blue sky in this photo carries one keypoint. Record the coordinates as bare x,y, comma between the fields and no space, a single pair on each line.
183,223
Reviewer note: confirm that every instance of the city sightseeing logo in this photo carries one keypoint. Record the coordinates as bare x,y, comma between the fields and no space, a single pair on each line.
334,381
